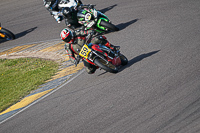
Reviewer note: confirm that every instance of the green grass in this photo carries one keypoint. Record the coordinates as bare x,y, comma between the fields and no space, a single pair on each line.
18,77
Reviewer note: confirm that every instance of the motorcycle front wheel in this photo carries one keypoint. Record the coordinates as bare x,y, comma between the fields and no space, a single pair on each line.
6,34
109,26
124,60
103,64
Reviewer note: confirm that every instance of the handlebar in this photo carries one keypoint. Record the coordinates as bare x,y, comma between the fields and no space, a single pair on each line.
90,36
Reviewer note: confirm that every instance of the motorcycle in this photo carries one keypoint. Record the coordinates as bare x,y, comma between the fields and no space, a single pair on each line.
101,56
90,18
6,34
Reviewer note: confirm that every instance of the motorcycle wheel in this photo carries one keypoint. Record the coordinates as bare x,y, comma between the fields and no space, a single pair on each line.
109,26
124,60
8,34
108,67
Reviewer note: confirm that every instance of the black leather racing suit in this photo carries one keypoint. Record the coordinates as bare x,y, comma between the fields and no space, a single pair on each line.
56,8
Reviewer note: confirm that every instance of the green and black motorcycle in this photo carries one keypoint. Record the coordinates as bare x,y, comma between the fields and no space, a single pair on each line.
90,18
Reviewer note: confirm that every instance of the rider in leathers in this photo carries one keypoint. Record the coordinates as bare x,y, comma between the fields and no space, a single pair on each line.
74,41
56,7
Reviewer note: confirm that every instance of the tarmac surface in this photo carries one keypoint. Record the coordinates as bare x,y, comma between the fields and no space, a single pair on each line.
157,92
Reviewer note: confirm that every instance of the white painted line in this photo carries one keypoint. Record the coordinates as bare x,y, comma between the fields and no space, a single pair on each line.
79,73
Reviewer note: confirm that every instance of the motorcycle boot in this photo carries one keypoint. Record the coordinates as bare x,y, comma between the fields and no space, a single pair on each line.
70,53
89,68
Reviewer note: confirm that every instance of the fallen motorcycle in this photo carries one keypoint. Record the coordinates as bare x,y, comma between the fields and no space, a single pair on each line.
90,18
101,56
6,34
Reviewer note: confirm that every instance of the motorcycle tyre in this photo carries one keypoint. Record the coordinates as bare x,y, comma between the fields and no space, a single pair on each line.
9,35
124,60
109,26
108,67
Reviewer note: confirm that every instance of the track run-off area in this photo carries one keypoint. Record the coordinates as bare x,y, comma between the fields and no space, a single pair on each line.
157,92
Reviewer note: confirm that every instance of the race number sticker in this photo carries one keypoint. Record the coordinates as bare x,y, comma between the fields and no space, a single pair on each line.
88,16
85,51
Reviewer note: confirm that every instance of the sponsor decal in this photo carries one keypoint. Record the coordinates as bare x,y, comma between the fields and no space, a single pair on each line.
88,16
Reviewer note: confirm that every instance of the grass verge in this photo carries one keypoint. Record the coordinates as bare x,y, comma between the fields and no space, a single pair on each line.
18,77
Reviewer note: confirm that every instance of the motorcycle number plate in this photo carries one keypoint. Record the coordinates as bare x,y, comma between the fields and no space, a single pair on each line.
85,51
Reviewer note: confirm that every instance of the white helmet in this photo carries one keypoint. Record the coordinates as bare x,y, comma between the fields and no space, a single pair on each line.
67,3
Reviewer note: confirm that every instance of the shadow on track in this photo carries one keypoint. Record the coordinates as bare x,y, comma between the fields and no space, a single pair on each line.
133,61
137,59
21,34
124,25
18,35
2,40
107,8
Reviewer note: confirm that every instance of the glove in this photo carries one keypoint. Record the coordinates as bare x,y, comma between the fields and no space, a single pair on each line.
58,18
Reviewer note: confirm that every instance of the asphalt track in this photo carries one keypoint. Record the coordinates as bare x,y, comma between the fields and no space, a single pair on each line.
157,92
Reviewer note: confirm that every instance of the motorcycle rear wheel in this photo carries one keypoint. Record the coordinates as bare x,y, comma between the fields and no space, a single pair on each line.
8,34
103,64
109,26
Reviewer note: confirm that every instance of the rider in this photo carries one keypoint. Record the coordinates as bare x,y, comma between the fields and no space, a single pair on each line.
56,7
74,41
